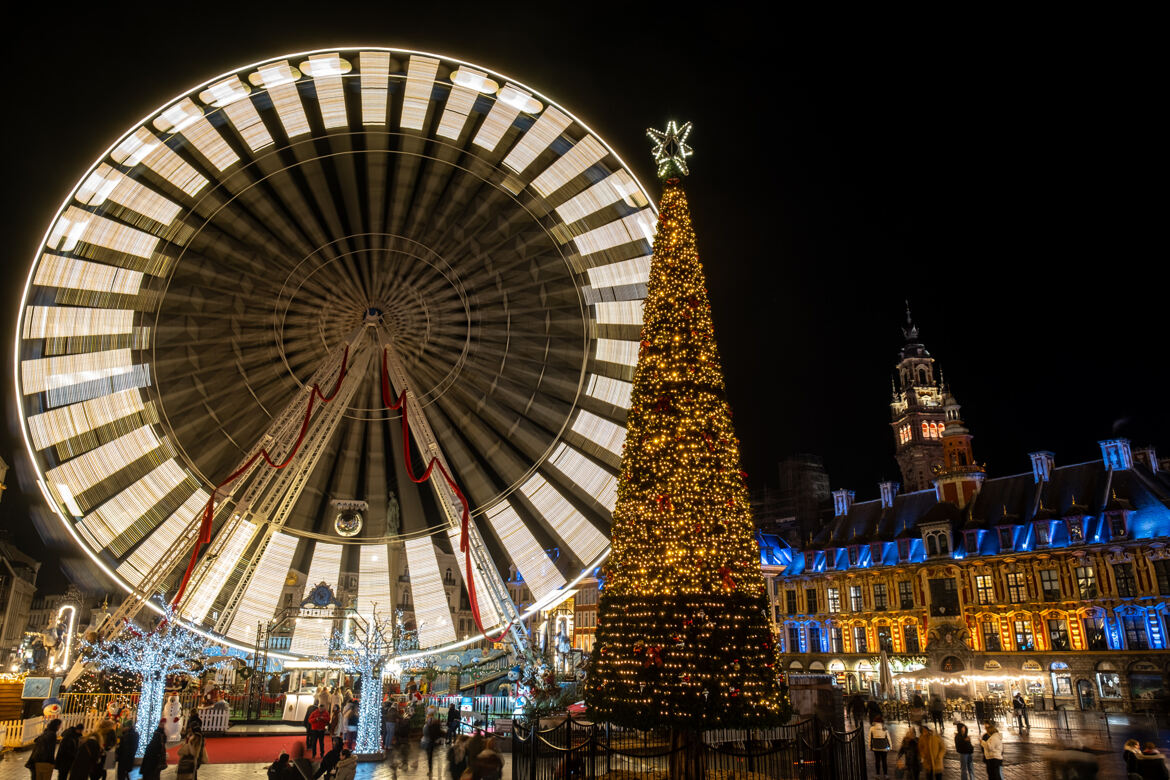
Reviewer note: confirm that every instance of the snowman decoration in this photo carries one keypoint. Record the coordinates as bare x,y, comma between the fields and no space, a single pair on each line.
173,714
51,709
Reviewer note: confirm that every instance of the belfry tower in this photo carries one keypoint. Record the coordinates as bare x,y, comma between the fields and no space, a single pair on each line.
916,413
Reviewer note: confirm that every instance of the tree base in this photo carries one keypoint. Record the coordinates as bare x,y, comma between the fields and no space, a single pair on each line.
691,662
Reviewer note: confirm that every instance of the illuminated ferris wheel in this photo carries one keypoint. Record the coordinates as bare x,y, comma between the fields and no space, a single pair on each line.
344,228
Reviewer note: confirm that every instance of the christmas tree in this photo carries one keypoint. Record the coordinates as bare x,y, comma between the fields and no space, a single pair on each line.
683,637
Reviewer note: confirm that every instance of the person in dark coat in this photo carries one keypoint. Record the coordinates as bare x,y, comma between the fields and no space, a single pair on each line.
67,751
89,757
432,733
1150,764
40,760
282,769
194,723
154,761
127,747
452,723
329,760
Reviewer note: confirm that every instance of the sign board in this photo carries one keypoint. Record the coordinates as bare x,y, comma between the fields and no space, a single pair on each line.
465,704
502,726
37,688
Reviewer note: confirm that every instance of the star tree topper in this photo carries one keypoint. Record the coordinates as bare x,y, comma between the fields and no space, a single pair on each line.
670,148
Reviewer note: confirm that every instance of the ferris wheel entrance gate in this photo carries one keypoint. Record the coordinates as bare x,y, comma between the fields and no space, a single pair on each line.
484,570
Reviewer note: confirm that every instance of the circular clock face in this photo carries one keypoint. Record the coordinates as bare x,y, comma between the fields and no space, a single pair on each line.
348,523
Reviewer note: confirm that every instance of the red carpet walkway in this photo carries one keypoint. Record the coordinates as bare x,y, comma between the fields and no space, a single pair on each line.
243,750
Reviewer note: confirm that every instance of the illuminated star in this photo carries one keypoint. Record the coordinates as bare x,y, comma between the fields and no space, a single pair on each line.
670,148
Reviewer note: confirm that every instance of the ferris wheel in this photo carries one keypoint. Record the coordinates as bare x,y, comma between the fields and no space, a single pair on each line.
277,258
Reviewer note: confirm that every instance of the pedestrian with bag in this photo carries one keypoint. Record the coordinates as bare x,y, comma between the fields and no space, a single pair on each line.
879,743
908,759
966,752
992,742
40,761
192,755
932,752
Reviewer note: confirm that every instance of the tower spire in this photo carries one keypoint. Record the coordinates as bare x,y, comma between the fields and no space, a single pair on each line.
910,331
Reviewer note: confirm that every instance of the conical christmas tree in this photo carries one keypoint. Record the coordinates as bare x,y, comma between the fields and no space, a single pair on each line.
683,637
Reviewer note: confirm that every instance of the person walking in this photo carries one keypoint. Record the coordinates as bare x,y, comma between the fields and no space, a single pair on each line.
931,750
432,733
879,743
329,760
937,707
1150,765
40,760
452,722
966,752
389,723
857,709
992,742
192,755
127,748
67,751
1020,708
908,758
154,760
88,759
1130,754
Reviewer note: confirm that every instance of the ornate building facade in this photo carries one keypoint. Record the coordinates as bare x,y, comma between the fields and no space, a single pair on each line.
1056,580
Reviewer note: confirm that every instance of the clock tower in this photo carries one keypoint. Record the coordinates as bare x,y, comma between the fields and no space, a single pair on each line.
917,412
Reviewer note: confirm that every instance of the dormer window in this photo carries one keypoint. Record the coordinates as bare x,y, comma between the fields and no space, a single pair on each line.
1118,527
831,558
1006,537
875,553
972,542
854,554
903,549
1043,533
810,561
1076,531
938,542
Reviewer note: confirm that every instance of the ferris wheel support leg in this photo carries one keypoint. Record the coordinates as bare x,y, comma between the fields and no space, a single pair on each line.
484,569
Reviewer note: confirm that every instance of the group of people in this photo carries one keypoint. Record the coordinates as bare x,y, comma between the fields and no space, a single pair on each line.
922,751
91,756
339,763
334,713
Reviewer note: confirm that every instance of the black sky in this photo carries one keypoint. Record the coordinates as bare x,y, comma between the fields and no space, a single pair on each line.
1001,172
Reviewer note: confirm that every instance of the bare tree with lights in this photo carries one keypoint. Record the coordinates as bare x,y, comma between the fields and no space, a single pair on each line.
167,649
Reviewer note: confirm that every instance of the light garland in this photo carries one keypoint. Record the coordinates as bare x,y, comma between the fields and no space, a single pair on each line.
167,649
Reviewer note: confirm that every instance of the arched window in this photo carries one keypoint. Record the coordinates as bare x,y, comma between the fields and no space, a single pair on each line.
925,430
944,547
962,458
931,545
922,376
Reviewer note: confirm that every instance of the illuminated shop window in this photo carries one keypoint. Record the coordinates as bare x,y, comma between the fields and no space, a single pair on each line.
1109,685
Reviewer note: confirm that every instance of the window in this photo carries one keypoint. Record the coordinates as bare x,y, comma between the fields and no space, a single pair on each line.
1109,684
984,589
906,594
903,549
1050,584
860,643
885,639
834,599
853,555
911,635
814,637
831,558
1123,574
1135,632
1095,633
856,603
790,598
810,600
1086,582
835,643
881,601
1017,587
1043,534
944,597
1076,532
1058,635
1162,574
794,639
1117,525
1023,629
990,636
1006,537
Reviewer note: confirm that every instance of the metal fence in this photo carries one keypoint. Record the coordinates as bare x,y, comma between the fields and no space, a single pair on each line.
579,750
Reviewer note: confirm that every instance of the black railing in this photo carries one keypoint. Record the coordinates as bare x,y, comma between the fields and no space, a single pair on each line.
570,749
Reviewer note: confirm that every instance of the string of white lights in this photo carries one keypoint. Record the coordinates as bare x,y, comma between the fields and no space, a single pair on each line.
75,274
262,594
600,431
90,468
623,353
210,576
105,183
635,227
432,613
326,71
118,513
311,636
156,545
57,425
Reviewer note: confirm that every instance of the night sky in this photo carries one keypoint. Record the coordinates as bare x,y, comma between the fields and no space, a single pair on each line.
996,172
